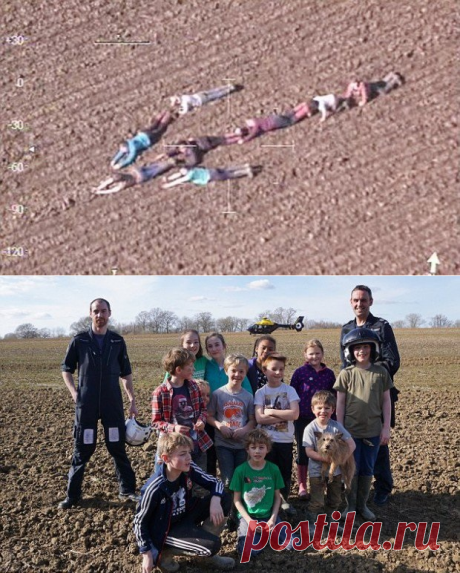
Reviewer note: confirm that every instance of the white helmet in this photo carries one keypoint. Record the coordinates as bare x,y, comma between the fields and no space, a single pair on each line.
136,433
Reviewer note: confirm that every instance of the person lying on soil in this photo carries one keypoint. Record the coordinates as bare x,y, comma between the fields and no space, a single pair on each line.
203,176
190,152
134,176
359,92
326,105
258,126
186,103
131,149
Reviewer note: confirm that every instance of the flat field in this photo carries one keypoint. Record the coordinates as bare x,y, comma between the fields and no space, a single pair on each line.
36,417
388,169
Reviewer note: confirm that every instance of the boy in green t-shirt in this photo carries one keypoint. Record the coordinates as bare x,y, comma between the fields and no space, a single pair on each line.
256,485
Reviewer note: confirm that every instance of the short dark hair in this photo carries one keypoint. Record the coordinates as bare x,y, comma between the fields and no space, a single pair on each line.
364,288
257,436
271,356
99,300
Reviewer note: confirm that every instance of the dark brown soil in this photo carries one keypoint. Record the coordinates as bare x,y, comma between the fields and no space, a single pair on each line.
372,190
36,446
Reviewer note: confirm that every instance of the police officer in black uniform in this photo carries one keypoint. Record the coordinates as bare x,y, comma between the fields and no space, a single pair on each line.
361,301
102,360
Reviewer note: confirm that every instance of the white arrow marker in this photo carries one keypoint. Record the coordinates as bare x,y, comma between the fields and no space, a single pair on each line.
433,261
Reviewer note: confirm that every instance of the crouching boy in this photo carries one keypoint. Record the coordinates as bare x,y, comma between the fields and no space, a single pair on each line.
169,521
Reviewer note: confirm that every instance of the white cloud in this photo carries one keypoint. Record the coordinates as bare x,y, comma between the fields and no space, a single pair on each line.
263,284
197,298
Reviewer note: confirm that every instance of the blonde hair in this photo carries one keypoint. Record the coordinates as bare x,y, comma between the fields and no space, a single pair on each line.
236,359
167,443
313,342
202,383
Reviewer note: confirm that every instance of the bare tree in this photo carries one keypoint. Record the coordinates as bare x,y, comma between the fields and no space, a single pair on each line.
58,332
204,321
457,323
82,324
322,324
242,324
26,330
290,314
398,324
169,320
227,324
156,320
280,314
44,333
264,314
186,323
142,321
440,321
414,320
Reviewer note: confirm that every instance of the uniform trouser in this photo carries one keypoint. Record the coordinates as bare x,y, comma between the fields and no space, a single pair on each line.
382,472
84,447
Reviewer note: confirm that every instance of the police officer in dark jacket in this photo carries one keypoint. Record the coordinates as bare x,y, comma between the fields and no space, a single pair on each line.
361,301
102,360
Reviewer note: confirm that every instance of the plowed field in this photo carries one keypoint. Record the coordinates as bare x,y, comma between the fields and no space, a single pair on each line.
371,190
36,417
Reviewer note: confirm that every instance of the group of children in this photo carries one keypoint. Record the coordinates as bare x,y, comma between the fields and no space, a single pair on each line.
244,412
188,154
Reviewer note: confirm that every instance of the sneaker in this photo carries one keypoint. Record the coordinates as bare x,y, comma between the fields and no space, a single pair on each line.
69,502
381,498
221,562
129,497
288,509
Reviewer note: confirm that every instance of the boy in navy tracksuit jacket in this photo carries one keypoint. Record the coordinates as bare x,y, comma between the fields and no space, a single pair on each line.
169,521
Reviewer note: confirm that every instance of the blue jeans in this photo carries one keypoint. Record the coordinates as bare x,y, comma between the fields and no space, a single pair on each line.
229,459
365,455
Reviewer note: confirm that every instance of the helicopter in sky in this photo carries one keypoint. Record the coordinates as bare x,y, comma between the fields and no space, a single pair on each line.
267,326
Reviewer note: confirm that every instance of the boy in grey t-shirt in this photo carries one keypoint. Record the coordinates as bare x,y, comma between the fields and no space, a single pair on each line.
231,412
323,406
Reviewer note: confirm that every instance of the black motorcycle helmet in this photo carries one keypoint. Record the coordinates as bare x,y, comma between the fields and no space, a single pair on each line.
361,336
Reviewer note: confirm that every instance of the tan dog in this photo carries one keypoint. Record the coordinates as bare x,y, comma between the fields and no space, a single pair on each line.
336,450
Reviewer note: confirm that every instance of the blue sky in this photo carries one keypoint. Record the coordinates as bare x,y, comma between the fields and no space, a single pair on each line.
53,301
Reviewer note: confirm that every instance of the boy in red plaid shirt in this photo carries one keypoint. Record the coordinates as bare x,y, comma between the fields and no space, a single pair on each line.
177,404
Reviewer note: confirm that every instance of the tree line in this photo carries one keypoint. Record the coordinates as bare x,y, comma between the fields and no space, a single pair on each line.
159,321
